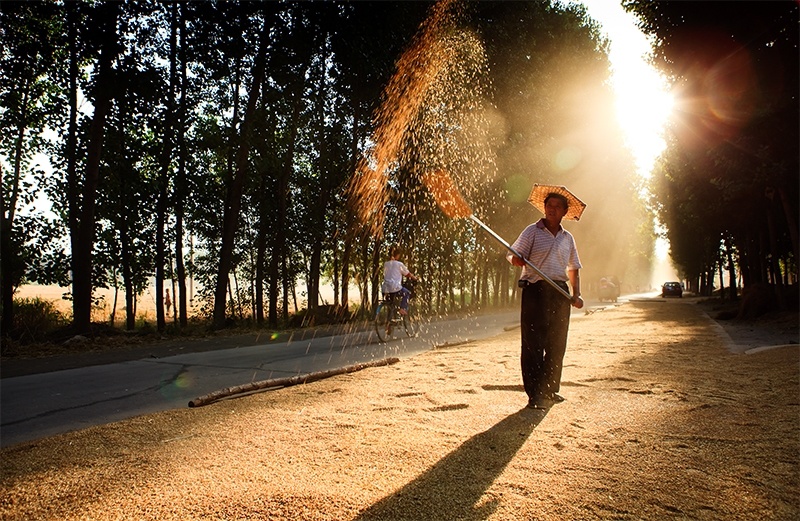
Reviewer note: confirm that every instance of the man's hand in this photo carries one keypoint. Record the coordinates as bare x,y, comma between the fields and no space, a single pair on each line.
577,302
517,261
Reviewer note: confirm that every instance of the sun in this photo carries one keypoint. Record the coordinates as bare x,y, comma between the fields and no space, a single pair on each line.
643,107
643,100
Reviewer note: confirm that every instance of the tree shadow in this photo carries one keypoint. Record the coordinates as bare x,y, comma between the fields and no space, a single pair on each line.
452,487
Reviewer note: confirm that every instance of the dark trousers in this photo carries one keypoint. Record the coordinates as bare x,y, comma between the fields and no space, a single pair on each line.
544,321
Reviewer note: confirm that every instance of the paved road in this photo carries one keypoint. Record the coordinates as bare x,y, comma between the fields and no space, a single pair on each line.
41,405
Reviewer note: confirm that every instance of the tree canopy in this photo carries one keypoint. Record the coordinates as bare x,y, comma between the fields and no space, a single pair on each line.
727,187
209,147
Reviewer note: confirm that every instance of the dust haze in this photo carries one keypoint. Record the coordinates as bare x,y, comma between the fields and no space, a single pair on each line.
451,106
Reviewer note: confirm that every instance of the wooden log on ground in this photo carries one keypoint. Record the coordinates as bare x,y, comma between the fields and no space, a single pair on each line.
285,382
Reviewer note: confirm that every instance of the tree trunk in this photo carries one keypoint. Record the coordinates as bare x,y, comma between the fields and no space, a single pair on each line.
71,151
791,223
376,273
127,278
6,279
346,255
774,265
274,278
279,249
234,200
462,261
363,268
82,228
236,296
761,258
484,281
113,316
731,269
261,250
743,259
259,282
350,220
8,249
124,234
314,275
317,242
180,182
163,178
335,275
285,283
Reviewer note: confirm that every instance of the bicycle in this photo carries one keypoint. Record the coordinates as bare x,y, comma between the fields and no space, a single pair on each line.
389,322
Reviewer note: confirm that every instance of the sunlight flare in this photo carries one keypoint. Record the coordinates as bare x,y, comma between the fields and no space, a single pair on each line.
644,103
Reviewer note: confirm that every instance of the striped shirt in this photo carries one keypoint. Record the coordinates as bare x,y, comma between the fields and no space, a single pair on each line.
553,255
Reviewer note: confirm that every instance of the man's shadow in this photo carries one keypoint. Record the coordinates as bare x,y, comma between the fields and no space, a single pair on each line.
450,489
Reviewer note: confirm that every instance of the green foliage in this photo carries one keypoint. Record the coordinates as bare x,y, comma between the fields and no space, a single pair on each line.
555,124
527,82
31,48
34,319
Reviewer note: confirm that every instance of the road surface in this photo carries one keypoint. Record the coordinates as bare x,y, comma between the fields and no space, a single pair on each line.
35,406
41,405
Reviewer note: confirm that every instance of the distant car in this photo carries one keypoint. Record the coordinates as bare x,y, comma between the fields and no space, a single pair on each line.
672,289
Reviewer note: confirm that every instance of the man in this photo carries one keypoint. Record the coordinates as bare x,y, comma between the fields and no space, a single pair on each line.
544,317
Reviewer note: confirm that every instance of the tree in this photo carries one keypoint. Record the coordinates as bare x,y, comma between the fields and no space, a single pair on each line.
165,161
552,122
735,134
239,125
82,192
180,193
31,47
234,195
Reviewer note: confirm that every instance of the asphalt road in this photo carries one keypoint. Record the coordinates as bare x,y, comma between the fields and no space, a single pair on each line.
35,406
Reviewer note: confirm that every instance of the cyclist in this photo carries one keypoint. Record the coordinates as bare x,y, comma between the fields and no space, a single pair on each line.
393,273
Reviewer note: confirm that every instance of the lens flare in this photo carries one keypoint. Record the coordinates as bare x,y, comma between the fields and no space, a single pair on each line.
567,158
182,382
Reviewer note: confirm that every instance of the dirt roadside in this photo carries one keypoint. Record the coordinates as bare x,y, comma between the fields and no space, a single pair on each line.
665,418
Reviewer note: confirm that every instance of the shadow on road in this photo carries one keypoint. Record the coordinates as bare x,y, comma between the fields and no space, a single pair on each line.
475,465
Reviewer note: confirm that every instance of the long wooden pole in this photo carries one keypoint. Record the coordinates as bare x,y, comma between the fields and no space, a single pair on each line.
517,254
449,199
285,382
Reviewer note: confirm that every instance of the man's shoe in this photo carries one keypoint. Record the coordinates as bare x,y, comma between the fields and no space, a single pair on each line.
538,403
555,397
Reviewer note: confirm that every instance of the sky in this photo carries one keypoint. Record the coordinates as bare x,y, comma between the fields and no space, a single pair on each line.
643,99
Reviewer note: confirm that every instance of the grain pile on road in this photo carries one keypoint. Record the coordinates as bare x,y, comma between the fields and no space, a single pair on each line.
661,421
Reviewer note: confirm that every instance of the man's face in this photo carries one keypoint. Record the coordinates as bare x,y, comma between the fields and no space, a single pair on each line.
554,209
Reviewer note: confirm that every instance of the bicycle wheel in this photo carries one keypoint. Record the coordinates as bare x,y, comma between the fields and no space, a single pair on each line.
383,323
410,323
